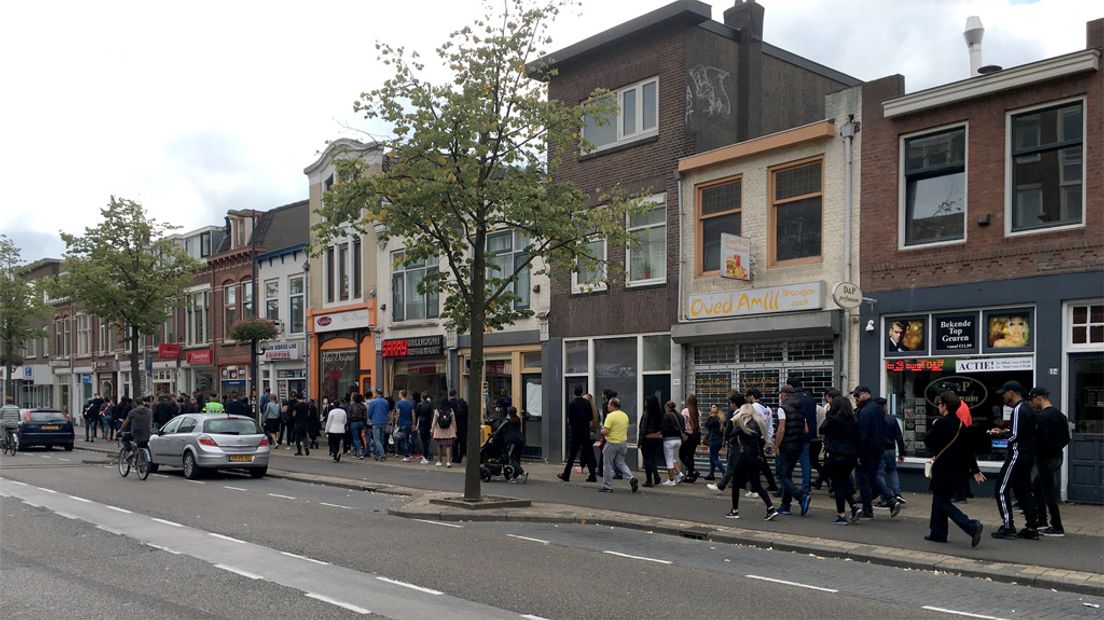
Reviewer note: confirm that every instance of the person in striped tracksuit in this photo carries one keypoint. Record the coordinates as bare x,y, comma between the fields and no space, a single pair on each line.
1015,474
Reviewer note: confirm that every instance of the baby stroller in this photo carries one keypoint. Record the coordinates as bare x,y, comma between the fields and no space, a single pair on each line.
494,457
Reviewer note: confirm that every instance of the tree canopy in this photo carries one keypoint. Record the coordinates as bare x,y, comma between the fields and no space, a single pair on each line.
22,309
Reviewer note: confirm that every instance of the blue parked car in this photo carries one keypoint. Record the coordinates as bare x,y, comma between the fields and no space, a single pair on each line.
44,427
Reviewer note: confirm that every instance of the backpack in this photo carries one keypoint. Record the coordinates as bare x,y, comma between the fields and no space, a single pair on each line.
444,418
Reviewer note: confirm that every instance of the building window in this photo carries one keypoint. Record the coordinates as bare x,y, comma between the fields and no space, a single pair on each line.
590,278
1047,152
637,116
107,337
934,176
205,245
170,326
343,271
507,251
796,213
29,348
229,309
84,335
1087,323
407,304
247,299
329,275
356,269
196,312
295,304
719,211
272,300
647,252
61,336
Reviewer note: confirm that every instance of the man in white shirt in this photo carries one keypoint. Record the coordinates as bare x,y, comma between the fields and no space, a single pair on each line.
335,430
754,396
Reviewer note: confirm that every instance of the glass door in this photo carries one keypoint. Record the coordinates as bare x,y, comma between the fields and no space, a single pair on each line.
532,403
1086,412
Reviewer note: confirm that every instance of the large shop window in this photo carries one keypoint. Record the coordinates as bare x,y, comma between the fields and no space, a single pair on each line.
635,118
719,211
339,373
507,251
421,376
1047,154
647,250
796,213
407,303
935,187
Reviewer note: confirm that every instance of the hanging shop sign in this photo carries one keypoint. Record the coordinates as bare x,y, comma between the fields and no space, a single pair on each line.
103,366
282,351
425,346
786,298
736,251
847,295
955,333
336,321
166,351
199,357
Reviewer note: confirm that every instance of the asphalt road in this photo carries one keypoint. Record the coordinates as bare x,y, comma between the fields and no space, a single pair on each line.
90,544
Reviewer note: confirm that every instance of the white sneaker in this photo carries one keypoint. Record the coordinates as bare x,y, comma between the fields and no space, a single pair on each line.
449,464
424,461
406,460
437,464
713,487
751,494
679,477
669,483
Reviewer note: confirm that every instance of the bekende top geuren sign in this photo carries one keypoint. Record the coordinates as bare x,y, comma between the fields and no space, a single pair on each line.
955,332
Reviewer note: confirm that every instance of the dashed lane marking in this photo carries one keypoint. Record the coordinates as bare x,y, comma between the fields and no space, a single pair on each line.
172,523
536,540
109,530
959,613
195,481
280,496
791,583
117,509
303,557
158,475
439,523
224,537
165,549
238,571
234,488
411,586
337,506
45,489
636,557
80,499
332,601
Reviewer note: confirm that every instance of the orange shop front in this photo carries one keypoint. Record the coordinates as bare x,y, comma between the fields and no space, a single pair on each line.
342,351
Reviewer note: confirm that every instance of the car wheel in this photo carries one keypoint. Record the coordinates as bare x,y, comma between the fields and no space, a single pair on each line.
191,470
258,473
68,447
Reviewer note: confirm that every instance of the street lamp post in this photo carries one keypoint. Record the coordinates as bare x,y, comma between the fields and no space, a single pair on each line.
254,388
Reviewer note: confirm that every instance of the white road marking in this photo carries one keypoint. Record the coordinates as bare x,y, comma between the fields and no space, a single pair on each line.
66,460
280,496
439,523
303,557
160,548
338,506
411,586
234,488
532,617
226,538
109,530
117,509
32,504
636,557
959,613
66,515
80,499
536,540
238,571
22,484
195,481
158,475
44,456
326,599
172,523
45,489
791,583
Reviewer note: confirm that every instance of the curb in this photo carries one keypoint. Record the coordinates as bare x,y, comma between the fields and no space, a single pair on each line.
1018,574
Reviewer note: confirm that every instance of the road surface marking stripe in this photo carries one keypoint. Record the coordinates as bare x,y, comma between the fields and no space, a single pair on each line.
439,523
338,506
234,488
80,499
303,557
280,496
158,475
32,504
117,509
65,514
791,583
226,537
326,599
109,530
66,460
411,586
960,613
45,489
22,484
636,557
166,549
238,571
536,540
195,481
172,523
44,456
532,617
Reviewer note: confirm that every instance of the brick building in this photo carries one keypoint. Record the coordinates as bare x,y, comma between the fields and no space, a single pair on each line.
983,247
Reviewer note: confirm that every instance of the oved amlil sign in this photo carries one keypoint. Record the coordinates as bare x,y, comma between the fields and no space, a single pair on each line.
786,298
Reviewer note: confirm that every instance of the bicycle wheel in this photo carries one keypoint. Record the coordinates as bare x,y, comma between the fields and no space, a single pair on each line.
142,463
124,462
10,445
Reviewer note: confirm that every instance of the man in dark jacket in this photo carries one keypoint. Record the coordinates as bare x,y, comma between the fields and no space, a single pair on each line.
894,454
1015,474
237,406
808,460
163,411
423,415
789,441
954,462
579,417
1053,436
872,437
460,407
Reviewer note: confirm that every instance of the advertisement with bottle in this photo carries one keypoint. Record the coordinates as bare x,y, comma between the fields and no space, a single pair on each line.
736,253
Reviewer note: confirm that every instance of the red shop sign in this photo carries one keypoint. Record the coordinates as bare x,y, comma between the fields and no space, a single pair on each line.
200,357
166,351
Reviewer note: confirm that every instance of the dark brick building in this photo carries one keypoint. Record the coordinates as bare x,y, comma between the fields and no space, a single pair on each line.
983,245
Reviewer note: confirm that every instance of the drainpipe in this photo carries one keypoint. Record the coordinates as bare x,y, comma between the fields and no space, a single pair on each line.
847,132
681,260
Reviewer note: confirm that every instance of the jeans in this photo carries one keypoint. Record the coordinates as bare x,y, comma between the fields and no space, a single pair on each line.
403,445
784,464
941,510
1046,490
715,463
866,475
427,442
358,444
839,472
806,469
90,425
581,445
377,439
687,452
105,426
650,450
614,456
887,475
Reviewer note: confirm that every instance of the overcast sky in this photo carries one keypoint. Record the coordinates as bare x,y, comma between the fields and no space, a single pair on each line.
199,107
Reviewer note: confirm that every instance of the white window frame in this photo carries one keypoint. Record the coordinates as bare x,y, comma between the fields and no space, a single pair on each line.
600,285
1070,346
291,296
639,133
83,329
189,317
274,298
902,184
397,267
655,200
516,248
352,270
1008,189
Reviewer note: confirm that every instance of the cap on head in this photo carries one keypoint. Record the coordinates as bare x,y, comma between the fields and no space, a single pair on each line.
1039,390
861,389
1011,386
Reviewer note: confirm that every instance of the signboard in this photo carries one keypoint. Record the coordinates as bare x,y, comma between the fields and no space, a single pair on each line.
712,388
969,390
906,335
847,295
736,254
424,346
166,351
1009,331
104,366
336,321
28,372
995,364
955,332
749,302
282,351
198,358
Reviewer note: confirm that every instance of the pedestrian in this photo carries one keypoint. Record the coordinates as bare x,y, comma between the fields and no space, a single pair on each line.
510,437
164,410
746,436
650,441
423,413
272,420
213,405
953,461
379,411
841,440
872,432
107,421
894,454
595,432
460,408
806,458
265,397
714,429
313,423
335,430
755,397
444,432
671,428
789,444
92,418
299,411
236,405
689,449
615,430
358,420
1052,437
122,410
405,420
580,415
1015,474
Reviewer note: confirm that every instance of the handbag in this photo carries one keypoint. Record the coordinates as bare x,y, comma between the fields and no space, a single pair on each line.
931,462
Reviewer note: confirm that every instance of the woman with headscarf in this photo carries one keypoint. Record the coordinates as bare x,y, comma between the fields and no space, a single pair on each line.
746,437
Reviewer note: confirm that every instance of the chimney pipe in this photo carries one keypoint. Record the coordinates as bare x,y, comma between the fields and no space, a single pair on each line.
973,34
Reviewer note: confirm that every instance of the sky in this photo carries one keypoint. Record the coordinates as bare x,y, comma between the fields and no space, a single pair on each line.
200,107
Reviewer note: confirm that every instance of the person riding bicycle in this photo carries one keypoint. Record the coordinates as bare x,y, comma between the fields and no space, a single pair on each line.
140,422
10,416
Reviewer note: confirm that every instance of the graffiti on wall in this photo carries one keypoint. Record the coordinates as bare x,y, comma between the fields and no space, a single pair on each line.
705,91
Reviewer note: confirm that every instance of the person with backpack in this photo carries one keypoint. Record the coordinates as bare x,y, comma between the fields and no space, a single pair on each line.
444,432
1051,437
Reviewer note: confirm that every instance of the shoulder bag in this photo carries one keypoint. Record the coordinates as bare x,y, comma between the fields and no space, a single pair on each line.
930,463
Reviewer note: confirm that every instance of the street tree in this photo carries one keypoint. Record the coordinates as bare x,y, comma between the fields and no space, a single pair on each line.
23,312
128,273
473,154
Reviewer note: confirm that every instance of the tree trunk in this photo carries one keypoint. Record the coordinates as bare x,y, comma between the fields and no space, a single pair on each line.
472,483
9,389
136,369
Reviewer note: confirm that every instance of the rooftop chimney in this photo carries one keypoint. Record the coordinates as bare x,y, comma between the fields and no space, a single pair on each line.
747,17
973,34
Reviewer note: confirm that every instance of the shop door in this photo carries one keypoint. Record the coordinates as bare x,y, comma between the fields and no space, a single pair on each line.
1086,412
532,402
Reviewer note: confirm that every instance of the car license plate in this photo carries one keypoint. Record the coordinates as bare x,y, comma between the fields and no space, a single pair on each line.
50,427
241,458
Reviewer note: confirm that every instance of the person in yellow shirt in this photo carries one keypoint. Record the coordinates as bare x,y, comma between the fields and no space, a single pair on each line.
615,431
213,405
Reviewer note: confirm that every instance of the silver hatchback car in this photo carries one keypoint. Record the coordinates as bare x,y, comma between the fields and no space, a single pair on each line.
203,441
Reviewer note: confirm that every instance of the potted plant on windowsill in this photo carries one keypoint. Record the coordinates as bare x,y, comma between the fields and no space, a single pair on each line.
646,271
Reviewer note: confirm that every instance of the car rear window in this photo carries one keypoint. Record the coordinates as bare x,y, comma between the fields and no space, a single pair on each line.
47,416
231,427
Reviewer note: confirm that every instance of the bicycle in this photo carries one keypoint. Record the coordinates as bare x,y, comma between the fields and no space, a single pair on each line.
10,445
131,456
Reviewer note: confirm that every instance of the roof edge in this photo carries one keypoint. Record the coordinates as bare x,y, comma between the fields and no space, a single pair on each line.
333,147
